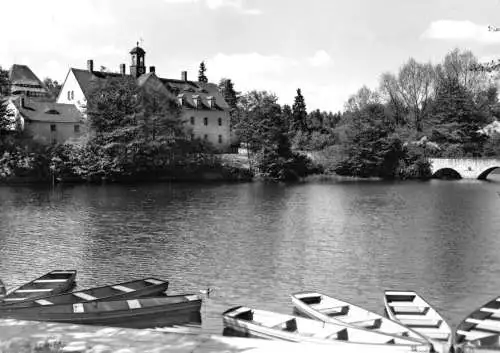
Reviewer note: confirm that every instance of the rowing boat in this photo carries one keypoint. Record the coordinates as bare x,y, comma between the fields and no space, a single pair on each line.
129,313
481,328
411,310
54,282
270,325
146,287
321,307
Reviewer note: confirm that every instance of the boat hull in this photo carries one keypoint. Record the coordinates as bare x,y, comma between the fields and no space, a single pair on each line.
359,318
135,313
148,287
416,314
235,326
51,283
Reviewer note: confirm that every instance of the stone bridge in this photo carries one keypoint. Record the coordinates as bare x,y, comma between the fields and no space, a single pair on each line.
468,168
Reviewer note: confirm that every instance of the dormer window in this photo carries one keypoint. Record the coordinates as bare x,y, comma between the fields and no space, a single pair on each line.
196,101
52,111
180,99
211,102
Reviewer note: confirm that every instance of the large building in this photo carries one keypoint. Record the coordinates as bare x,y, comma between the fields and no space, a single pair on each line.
24,82
204,109
48,122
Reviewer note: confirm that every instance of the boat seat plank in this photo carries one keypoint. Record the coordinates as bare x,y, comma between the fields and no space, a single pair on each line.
490,310
423,323
333,310
331,332
123,288
473,334
84,296
43,302
492,324
153,281
33,290
49,280
370,323
411,310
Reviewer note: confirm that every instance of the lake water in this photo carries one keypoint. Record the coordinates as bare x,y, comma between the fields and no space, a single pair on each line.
256,243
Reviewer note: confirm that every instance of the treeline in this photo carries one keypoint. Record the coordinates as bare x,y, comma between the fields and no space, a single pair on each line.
421,111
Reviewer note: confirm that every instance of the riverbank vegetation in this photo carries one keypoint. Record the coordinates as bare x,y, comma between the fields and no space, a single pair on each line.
423,110
449,109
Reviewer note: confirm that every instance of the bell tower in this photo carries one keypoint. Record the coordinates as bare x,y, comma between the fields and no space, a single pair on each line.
138,64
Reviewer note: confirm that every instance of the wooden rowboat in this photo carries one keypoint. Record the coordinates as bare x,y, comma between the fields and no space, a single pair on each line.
410,309
327,309
51,283
481,328
269,325
130,313
146,287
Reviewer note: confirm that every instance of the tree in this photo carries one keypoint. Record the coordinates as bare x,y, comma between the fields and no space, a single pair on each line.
361,98
456,119
372,149
4,82
299,114
201,73
52,86
459,65
135,132
226,87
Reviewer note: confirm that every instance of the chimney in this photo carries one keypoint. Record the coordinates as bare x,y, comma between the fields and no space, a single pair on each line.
122,69
90,65
184,76
151,69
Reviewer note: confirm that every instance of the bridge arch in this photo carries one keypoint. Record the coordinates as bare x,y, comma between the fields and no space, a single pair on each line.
487,172
446,173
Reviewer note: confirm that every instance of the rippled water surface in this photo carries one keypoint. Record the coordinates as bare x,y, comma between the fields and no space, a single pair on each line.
257,243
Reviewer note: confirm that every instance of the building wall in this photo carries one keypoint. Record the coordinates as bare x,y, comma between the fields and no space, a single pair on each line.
213,130
65,132
76,95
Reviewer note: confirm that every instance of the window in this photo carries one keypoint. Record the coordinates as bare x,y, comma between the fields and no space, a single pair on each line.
52,127
205,121
69,95
205,137
220,138
192,136
76,128
192,120
220,121
72,95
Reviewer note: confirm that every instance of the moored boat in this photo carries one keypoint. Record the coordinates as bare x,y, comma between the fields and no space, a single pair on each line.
411,310
129,313
125,290
51,283
322,307
481,328
270,325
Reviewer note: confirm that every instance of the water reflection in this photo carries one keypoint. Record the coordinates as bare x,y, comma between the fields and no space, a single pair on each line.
258,243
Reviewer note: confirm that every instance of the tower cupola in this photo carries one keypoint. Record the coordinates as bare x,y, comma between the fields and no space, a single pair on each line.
138,63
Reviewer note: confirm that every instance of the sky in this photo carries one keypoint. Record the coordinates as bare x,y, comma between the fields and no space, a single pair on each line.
327,48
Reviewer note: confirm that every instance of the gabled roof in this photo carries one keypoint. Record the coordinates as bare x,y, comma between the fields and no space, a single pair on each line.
87,79
47,111
22,74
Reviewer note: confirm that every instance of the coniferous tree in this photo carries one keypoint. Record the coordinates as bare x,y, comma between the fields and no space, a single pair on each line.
201,73
299,114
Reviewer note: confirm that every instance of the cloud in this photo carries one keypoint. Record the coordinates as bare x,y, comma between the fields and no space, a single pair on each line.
461,30
217,4
320,58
